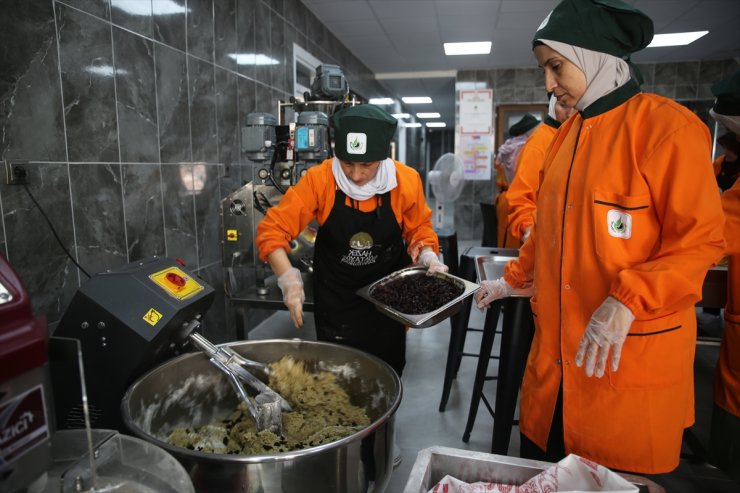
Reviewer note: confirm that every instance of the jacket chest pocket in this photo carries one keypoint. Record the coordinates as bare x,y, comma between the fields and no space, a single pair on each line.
624,228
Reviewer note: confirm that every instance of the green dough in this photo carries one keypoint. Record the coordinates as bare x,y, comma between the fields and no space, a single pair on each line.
322,413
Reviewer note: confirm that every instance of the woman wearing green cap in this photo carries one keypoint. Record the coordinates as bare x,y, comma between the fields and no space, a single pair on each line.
628,222
373,220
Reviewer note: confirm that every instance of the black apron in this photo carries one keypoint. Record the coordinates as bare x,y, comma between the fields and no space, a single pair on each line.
353,249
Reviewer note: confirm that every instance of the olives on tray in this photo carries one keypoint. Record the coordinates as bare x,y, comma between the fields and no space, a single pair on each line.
415,295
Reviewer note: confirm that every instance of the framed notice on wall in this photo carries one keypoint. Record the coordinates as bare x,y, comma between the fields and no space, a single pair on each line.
476,111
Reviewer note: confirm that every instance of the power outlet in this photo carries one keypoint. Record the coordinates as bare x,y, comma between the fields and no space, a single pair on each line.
16,172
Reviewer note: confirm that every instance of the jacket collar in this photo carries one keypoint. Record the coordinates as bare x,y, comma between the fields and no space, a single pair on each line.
551,122
611,100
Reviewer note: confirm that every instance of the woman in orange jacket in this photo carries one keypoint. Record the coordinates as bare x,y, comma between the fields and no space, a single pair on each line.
617,254
522,194
724,442
373,220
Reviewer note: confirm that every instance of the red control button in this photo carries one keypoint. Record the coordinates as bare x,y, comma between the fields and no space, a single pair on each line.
175,279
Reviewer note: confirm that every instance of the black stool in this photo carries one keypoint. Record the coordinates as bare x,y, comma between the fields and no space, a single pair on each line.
448,249
517,332
459,321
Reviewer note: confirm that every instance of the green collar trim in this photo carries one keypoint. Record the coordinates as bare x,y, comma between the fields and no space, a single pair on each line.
612,100
551,122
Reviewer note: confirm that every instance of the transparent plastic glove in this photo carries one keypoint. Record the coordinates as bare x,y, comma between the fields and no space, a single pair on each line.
606,331
526,232
491,291
430,260
291,285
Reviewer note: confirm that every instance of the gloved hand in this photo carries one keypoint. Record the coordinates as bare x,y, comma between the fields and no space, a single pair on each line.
291,285
491,291
429,259
606,330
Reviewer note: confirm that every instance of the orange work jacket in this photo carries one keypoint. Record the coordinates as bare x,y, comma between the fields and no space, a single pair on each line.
504,238
628,208
727,376
522,194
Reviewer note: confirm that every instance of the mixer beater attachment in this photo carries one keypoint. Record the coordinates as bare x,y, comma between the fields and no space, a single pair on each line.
268,404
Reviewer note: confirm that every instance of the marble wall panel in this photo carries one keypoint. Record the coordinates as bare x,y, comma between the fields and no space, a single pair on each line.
207,213
263,100
215,327
99,8
41,262
247,102
262,30
227,111
135,16
31,117
86,61
173,113
203,128
200,29
246,10
136,97
178,191
225,39
97,205
168,22
281,52
143,211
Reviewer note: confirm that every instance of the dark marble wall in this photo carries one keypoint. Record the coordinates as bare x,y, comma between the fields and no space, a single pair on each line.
128,113
688,83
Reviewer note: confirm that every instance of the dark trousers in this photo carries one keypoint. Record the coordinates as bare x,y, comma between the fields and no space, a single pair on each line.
555,441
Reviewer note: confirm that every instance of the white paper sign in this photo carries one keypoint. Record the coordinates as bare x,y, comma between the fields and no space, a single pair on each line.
476,151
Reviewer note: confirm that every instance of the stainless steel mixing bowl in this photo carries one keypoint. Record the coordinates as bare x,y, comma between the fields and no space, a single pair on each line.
189,391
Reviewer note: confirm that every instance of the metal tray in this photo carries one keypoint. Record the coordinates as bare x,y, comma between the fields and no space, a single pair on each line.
491,267
434,463
424,319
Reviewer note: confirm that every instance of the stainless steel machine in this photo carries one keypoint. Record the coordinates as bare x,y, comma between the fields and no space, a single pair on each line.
127,320
283,148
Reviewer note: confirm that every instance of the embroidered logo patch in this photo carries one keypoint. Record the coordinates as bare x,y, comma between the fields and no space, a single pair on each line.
356,143
619,224
360,252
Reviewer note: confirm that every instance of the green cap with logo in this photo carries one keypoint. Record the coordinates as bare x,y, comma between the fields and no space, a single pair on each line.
524,125
606,26
363,133
727,92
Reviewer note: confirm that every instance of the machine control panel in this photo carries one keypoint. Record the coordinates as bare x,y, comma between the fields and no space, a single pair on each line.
176,283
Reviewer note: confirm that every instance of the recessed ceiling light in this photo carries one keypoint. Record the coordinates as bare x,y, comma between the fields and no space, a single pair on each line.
417,100
675,39
381,101
473,48
252,59
436,124
428,115
398,116
412,125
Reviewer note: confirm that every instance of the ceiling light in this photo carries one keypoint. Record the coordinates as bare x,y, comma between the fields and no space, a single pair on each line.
436,124
417,100
675,39
473,48
398,116
428,115
252,59
412,125
381,101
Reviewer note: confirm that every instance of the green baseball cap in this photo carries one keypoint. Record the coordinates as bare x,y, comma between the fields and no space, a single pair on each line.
606,26
363,133
524,125
727,92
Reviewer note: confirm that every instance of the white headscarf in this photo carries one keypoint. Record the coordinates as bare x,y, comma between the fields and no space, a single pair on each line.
551,107
604,73
383,181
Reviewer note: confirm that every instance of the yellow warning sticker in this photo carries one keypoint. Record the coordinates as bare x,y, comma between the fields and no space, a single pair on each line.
152,317
232,235
176,283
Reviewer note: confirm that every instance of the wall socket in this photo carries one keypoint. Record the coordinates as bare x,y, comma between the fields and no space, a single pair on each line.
16,172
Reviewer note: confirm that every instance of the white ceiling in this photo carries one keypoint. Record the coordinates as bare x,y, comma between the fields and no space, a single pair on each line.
401,40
